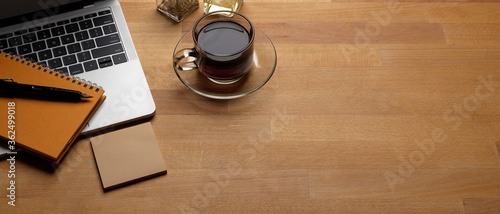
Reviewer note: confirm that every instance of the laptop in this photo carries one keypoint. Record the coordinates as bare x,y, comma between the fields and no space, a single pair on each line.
85,39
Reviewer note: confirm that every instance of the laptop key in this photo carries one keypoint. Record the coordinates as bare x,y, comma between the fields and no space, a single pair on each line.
55,63
54,42
71,28
37,28
57,31
95,32
92,15
109,29
43,55
3,44
63,70
63,22
12,51
83,56
90,65
89,44
76,19
76,69
73,48
85,24
39,46
15,41
24,49
49,25
66,39
32,57
30,37
69,60
20,32
42,63
82,35
103,20
59,51
106,51
107,40
104,12
105,62
7,35
119,58
43,34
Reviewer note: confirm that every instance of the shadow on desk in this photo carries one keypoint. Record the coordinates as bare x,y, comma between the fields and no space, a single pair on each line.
82,142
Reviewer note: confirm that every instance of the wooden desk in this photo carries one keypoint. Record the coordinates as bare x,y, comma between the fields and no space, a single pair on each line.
375,107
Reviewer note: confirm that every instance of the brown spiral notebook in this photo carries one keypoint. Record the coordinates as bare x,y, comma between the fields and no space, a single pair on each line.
46,128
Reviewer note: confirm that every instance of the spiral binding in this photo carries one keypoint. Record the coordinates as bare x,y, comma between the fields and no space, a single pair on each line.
76,80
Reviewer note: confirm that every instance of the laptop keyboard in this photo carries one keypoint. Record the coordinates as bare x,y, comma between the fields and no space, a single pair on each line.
73,46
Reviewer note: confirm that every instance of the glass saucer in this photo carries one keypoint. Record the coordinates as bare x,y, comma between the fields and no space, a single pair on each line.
264,64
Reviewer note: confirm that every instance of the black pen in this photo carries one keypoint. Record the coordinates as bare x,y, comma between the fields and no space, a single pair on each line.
14,89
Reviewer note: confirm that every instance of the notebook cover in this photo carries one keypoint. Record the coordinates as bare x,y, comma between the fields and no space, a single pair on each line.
127,156
42,127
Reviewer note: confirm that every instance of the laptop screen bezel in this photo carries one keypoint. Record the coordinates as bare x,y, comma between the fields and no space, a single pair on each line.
39,16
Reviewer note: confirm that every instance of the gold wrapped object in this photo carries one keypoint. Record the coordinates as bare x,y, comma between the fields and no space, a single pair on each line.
218,5
178,9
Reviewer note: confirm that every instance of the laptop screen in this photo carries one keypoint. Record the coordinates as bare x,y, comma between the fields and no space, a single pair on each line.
14,12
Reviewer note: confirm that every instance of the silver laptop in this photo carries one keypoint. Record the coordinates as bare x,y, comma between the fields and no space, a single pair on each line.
86,39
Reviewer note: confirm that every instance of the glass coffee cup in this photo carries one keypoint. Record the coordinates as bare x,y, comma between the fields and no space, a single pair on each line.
223,47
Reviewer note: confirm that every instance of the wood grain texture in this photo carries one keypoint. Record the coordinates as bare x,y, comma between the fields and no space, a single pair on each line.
482,205
375,107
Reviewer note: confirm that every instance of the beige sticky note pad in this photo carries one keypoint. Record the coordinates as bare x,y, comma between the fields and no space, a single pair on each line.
127,156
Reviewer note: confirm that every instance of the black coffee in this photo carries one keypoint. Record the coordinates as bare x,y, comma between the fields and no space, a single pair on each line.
225,52
223,38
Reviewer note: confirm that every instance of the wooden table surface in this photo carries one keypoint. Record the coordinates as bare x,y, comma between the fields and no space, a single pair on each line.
375,107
